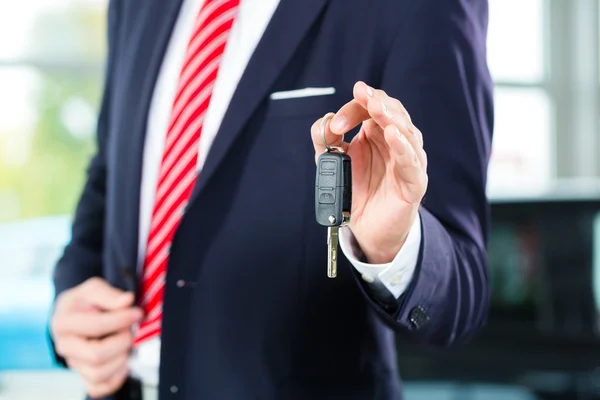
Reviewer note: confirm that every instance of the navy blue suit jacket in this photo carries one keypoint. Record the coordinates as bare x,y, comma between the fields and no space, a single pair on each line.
258,318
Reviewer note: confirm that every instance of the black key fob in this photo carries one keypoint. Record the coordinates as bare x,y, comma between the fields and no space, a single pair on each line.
333,194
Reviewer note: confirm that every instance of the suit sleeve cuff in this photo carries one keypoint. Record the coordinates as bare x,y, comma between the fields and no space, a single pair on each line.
394,276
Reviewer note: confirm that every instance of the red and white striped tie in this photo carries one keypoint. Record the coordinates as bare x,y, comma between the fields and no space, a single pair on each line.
178,168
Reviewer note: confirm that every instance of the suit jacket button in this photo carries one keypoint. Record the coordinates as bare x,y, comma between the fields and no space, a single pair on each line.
418,317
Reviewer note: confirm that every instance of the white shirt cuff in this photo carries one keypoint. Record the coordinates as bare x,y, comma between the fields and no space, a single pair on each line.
394,276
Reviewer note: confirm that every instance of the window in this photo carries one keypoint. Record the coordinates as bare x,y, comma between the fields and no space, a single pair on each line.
516,40
522,147
522,152
544,56
50,91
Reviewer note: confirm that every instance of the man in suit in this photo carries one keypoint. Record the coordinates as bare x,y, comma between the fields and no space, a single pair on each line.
196,269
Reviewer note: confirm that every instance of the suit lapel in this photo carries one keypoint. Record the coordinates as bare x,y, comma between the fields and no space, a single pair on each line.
159,20
269,59
288,26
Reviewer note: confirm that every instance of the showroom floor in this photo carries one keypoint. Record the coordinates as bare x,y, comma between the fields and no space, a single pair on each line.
62,385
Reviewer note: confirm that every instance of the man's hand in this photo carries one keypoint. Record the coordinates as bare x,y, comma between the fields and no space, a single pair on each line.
389,169
91,329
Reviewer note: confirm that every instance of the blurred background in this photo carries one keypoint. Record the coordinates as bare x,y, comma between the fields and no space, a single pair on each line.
543,336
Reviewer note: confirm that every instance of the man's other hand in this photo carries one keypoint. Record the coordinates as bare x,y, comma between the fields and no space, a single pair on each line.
92,330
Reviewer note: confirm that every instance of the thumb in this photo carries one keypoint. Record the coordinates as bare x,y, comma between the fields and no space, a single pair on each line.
321,134
99,294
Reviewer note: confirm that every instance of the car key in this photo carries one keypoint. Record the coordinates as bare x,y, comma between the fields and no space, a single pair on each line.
333,196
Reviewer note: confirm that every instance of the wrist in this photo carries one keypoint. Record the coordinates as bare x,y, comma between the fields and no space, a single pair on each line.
376,251
380,254
381,246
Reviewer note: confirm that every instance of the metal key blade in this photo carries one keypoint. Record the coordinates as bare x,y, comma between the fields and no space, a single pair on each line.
332,247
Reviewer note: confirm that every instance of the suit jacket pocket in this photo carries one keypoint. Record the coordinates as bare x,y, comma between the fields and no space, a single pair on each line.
309,106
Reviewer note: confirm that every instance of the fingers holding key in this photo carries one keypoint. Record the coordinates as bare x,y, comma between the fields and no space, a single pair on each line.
369,103
376,110
385,111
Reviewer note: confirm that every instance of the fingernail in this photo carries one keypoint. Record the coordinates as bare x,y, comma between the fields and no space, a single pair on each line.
419,135
400,136
385,110
415,132
370,92
338,123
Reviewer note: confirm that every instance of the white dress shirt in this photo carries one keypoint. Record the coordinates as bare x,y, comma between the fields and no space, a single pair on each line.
249,26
